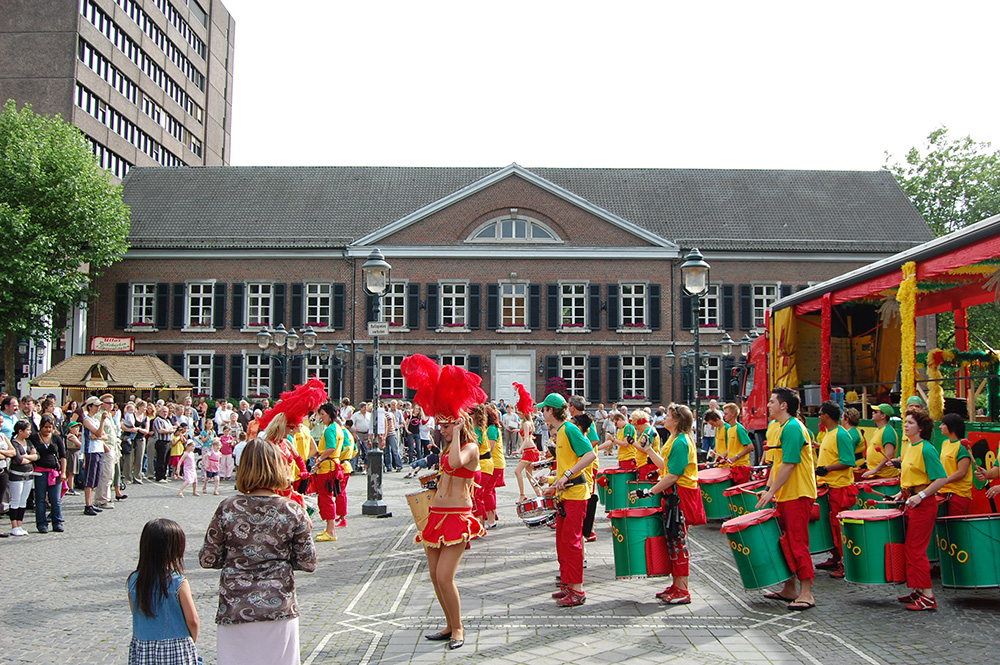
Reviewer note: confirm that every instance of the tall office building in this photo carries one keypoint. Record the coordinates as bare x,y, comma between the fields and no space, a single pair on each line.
148,81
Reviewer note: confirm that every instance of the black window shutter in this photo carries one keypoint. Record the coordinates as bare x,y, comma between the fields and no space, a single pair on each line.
297,318
218,376
219,306
594,306
551,367
654,307
687,311
339,305
369,308
614,378
237,321
296,371
369,379
121,305
594,378
278,310
475,306
534,306
277,379
413,305
179,317
177,363
746,307
475,365
801,287
552,306
655,379
492,306
164,357
236,373
613,307
432,306
786,290
162,305
728,307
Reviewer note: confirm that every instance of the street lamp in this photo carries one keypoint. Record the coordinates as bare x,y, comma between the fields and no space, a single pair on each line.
375,279
671,360
286,341
745,345
727,344
695,271
338,357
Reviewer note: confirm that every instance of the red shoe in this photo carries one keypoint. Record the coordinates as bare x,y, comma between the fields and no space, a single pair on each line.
340,523
663,595
909,598
592,537
830,564
572,598
561,593
678,597
837,572
922,602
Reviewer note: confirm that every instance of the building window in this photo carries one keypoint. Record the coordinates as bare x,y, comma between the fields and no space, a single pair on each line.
454,304
258,376
513,305
711,378
513,229
572,369
573,302
457,361
259,304
319,305
200,297
633,299
391,384
198,370
143,304
315,368
764,296
394,305
708,308
634,377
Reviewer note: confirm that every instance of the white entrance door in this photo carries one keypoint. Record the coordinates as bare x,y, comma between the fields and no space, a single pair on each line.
508,368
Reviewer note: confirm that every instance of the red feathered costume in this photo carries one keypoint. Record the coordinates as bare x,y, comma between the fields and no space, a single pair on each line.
294,405
525,405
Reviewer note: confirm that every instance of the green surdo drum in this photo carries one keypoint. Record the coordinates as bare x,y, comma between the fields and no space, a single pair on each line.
742,499
873,489
618,488
820,533
867,537
714,483
969,551
754,539
639,545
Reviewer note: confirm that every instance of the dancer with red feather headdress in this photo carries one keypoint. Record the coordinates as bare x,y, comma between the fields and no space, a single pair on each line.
529,452
448,393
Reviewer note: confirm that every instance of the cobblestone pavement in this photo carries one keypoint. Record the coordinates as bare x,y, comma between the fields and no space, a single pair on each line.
370,600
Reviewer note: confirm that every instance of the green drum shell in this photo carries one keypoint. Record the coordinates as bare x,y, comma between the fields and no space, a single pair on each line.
864,542
757,550
602,491
713,497
969,550
740,502
618,489
629,531
891,489
649,501
820,531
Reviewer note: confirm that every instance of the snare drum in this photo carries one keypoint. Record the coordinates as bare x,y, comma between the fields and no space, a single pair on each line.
742,498
542,506
873,545
639,546
618,488
887,486
754,539
969,551
714,483
820,533
420,506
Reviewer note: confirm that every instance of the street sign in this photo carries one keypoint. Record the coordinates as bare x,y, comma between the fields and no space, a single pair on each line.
378,328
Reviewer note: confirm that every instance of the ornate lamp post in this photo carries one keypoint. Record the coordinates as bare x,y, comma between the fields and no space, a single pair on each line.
375,278
695,271
286,341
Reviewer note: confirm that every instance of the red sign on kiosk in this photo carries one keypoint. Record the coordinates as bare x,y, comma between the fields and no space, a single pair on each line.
112,344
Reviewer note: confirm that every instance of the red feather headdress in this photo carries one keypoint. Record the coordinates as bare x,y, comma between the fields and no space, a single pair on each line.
444,392
525,405
296,404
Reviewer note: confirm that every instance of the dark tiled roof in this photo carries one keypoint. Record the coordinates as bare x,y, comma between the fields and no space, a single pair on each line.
238,206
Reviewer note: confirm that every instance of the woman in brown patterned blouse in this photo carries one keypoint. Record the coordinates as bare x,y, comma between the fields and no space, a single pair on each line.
257,539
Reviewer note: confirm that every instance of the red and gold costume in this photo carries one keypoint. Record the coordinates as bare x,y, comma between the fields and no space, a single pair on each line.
451,526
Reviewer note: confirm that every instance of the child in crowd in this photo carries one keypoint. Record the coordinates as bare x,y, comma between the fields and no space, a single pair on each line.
238,449
428,462
189,467
73,447
177,450
211,462
228,442
164,619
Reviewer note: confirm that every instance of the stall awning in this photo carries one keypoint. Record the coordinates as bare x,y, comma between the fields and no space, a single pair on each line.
112,372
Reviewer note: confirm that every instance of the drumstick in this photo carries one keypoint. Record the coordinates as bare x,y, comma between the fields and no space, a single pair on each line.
872,502
968,446
746,491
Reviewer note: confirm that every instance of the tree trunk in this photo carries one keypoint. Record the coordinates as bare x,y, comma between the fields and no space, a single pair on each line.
9,358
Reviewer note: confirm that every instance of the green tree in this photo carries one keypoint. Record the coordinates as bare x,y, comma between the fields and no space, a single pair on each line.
63,222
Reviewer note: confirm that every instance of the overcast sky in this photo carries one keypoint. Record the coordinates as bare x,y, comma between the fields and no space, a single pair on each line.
798,85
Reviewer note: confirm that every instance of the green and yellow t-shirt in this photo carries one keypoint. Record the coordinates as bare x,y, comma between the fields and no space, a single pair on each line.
571,445
921,465
736,440
876,451
641,458
681,459
951,453
333,439
625,451
792,445
837,446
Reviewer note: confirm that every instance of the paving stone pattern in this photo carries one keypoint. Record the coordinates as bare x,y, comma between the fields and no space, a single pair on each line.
370,600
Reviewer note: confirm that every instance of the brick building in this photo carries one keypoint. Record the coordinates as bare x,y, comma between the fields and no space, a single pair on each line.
519,274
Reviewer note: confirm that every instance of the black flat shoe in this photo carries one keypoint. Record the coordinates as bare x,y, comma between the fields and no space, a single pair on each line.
455,644
123,496
438,637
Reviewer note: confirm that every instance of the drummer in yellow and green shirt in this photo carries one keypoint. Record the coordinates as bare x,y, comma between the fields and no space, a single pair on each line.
577,408
738,445
721,442
957,461
624,437
836,472
882,448
793,487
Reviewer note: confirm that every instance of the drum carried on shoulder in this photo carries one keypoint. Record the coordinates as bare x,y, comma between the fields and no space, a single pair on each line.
873,546
755,539
420,506
714,483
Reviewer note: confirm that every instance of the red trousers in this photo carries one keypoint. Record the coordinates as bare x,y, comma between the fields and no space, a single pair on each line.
793,518
490,492
626,464
478,494
569,540
325,487
919,527
342,497
958,505
841,498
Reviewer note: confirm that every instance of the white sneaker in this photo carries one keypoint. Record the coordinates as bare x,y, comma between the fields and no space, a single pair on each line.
18,531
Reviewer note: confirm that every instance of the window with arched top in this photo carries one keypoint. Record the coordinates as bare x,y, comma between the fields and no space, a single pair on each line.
514,228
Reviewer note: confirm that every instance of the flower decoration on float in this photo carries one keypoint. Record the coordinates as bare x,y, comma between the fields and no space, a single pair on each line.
906,295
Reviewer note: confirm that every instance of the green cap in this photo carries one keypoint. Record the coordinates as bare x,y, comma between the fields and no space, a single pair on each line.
914,399
884,408
554,400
